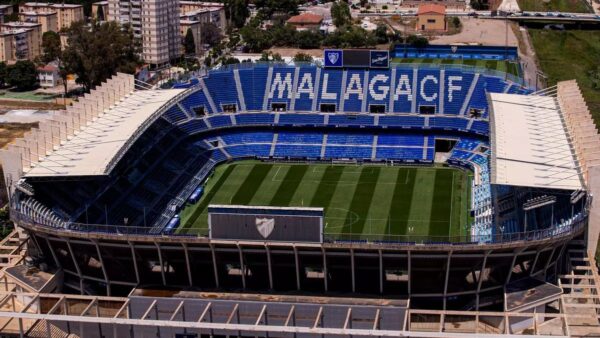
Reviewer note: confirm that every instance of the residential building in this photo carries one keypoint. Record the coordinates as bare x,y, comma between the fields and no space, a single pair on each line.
196,17
306,21
4,11
26,39
186,6
48,20
48,76
431,17
67,13
100,10
155,23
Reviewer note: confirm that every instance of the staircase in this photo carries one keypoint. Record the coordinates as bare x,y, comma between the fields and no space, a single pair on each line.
581,298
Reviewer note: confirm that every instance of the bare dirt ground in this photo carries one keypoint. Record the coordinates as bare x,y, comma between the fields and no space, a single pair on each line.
22,104
11,131
480,31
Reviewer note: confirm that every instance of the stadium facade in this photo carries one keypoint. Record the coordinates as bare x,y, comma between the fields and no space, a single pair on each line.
99,187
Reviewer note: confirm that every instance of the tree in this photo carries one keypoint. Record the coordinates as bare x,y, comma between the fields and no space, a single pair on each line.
270,56
595,77
419,42
230,61
210,34
3,73
303,57
22,75
269,7
189,46
308,39
455,22
96,51
381,34
256,39
340,13
236,11
51,46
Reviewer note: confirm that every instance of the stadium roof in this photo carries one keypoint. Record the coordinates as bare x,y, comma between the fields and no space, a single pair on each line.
91,150
530,144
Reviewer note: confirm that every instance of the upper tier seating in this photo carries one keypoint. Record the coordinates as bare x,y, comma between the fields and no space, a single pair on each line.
400,89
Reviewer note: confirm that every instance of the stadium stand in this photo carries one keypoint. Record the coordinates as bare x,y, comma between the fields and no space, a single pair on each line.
365,115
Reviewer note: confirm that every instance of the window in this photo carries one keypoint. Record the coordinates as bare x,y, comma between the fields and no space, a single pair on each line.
377,109
430,20
314,272
444,145
476,113
427,110
396,275
327,108
229,108
198,111
278,106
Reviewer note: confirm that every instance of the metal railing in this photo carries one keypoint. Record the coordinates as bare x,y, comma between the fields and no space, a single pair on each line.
330,237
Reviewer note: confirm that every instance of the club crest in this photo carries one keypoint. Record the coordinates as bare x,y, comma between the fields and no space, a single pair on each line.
454,49
265,226
333,57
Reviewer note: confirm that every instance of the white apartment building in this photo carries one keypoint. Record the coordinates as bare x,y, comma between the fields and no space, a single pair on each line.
155,23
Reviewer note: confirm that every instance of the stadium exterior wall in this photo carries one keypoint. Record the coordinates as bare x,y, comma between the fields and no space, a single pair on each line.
442,276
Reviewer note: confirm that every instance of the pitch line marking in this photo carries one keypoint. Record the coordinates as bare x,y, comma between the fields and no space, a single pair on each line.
277,172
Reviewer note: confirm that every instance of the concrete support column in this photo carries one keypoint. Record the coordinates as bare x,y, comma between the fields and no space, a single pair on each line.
134,262
162,266
106,279
214,261
324,268
480,279
187,263
75,264
269,267
352,270
297,263
242,267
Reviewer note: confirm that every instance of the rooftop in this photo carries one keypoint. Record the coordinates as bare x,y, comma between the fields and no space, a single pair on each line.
306,18
432,8
91,150
21,24
530,145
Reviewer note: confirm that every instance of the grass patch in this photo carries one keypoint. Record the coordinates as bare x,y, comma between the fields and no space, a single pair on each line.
361,200
567,55
501,66
572,6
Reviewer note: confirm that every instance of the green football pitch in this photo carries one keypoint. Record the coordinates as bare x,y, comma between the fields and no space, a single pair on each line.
367,201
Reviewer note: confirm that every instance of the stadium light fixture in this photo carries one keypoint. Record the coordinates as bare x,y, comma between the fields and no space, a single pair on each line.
577,195
538,202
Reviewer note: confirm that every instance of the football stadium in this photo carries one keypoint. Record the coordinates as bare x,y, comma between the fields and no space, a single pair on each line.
434,187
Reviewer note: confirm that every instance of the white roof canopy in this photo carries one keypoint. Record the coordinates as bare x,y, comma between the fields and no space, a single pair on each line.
530,144
90,151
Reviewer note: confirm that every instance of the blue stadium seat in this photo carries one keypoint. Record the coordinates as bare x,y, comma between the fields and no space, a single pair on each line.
401,121
218,121
301,119
174,114
255,119
297,151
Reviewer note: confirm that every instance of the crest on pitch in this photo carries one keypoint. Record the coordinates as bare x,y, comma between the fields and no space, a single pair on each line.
265,226
454,49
